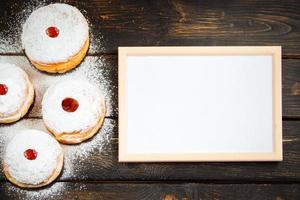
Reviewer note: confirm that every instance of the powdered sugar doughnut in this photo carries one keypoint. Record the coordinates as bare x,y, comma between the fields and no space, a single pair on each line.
73,110
16,93
55,37
32,159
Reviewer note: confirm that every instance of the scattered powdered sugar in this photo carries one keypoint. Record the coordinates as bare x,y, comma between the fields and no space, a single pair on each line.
56,191
96,40
7,131
51,192
93,69
97,70
106,77
10,38
76,155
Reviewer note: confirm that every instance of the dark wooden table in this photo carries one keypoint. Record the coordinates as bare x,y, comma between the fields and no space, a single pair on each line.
172,23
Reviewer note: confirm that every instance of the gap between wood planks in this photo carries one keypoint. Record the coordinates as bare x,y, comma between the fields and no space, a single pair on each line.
284,118
168,182
288,56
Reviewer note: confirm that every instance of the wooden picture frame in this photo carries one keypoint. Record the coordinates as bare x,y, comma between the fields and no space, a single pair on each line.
273,51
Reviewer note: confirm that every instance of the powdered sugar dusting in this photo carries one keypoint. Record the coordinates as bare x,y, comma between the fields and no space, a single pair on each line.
96,40
93,69
51,192
16,81
80,154
107,81
74,155
73,32
32,171
10,36
97,70
56,191
8,131
86,116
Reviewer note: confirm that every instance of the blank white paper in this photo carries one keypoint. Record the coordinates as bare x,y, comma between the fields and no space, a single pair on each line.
199,104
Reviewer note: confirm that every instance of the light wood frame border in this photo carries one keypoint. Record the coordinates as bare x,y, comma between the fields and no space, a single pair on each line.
275,51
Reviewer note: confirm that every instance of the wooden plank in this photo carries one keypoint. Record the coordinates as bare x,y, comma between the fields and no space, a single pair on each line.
97,159
103,71
291,88
144,191
177,22
100,70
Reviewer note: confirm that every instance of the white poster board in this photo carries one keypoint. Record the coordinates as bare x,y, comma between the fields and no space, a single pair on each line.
199,104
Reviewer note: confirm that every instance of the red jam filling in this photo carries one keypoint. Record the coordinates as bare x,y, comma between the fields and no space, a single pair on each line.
3,89
52,32
69,104
30,154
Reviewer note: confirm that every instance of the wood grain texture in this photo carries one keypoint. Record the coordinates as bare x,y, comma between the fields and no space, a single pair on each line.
157,191
101,160
160,23
291,88
175,23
